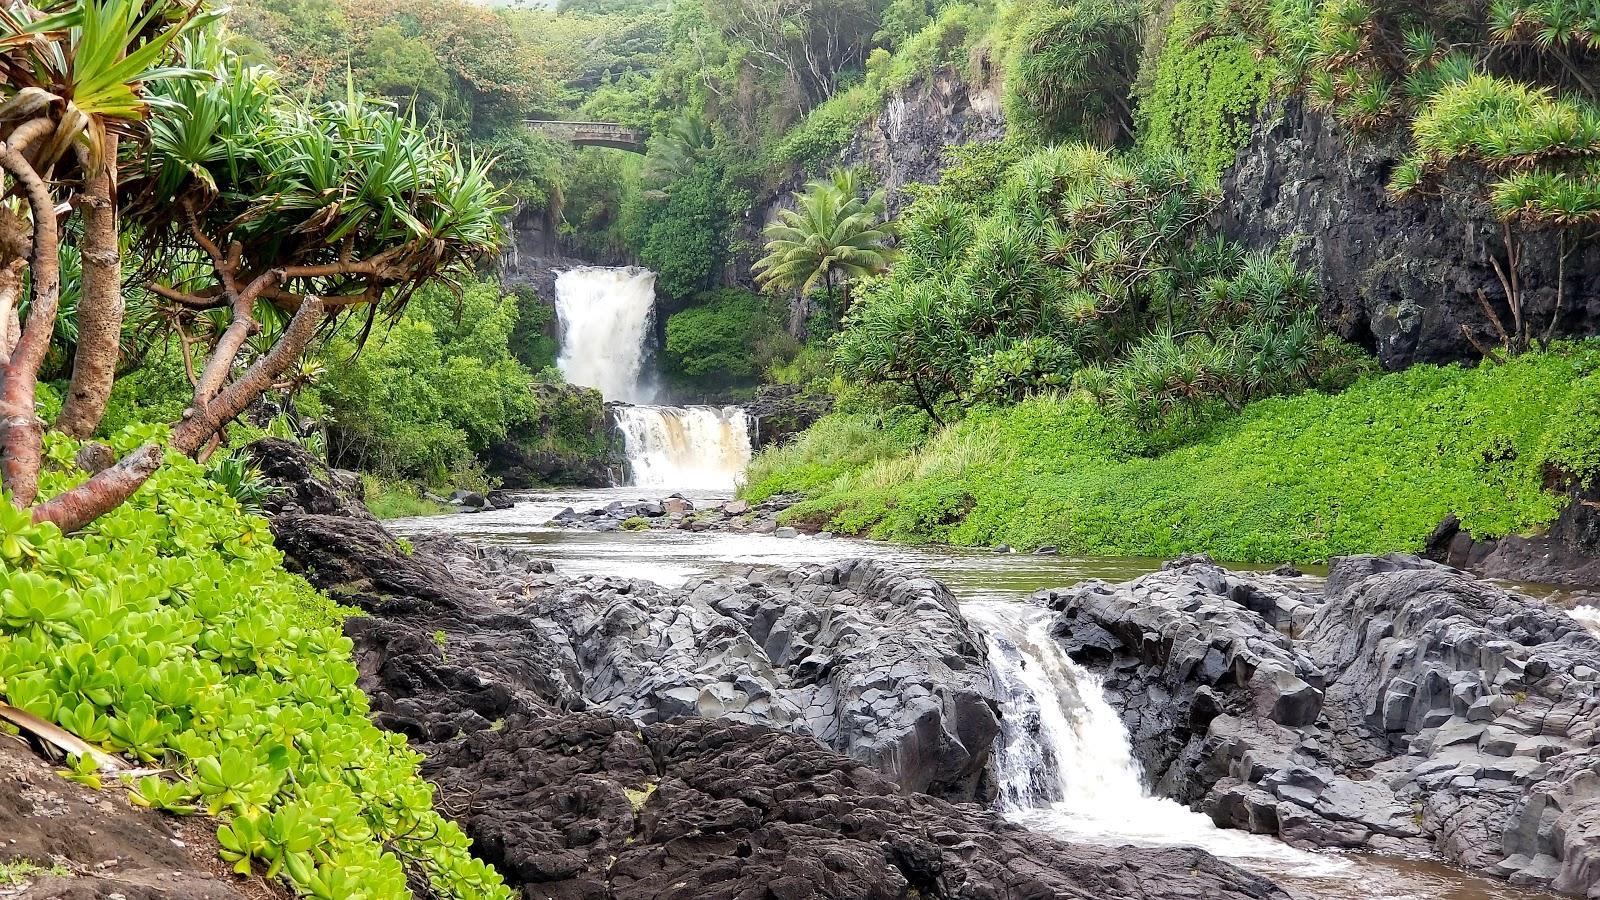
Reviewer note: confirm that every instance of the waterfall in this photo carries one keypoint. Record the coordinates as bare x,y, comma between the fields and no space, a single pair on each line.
1063,759
685,447
606,317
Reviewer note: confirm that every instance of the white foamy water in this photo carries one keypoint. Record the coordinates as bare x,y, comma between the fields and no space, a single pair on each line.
1588,616
1065,764
696,448
605,317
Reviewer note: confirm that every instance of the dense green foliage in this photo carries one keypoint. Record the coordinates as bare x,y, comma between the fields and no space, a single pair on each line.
1070,67
728,336
1203,91
1080,267
432,390
834,236
169,633
1301,478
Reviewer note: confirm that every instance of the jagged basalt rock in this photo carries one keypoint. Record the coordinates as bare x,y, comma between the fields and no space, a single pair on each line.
870,660
499,671
1414,708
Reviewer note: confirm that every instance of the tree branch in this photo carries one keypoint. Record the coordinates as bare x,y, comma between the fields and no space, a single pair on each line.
201,422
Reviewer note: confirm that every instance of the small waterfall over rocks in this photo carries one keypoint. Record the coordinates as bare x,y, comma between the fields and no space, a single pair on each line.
1064,763
607,317
685,447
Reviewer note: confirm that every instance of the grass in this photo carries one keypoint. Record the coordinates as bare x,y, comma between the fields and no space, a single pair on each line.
399,499
1300,478
18,873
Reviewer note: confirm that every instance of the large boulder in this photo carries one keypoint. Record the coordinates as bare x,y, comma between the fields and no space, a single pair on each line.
871,660
1414,708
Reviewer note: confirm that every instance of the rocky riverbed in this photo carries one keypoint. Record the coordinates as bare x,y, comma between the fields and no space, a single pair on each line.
1401,706
827,730
550,713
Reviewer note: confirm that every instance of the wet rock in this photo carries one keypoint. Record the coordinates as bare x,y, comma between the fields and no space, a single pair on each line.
501,500
1396,277
570,800
1415,707
469,500
785,532
736,507
677,506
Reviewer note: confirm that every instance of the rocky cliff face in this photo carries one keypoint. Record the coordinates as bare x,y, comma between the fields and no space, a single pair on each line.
904,144
1404,707
1398,277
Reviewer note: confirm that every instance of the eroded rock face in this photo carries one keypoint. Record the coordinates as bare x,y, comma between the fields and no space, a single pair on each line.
1398,277
1414,707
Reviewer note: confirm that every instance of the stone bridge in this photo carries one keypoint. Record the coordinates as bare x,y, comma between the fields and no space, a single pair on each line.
591,134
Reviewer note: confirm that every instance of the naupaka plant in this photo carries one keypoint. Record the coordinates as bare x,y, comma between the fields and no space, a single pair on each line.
129,117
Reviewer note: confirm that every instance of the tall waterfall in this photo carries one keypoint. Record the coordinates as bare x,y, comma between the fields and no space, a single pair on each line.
685,447
606,318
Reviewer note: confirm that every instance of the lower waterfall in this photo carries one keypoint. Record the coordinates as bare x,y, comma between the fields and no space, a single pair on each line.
699,448
1064,762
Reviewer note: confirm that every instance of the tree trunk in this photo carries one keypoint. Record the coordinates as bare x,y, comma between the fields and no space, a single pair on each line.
21,429
922,398
100,308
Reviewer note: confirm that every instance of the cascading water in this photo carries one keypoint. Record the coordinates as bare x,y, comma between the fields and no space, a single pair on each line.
702,448
606,318
1064,762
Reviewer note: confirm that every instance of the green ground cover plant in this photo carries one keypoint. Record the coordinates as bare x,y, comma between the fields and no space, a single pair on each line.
167,632
1301,478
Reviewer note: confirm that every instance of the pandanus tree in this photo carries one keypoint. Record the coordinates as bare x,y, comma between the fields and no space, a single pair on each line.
832,237
276,216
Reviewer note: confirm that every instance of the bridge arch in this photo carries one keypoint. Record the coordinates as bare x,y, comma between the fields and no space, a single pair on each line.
591,134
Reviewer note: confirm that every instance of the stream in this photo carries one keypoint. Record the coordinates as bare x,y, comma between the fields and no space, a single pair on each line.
1074,776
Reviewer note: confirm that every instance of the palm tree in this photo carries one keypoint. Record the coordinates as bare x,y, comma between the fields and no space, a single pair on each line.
832,236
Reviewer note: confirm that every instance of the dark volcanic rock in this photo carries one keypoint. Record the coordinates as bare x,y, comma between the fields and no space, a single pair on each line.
1398,277
780,411
1567,553
468,652
585,806
869,659
1420,708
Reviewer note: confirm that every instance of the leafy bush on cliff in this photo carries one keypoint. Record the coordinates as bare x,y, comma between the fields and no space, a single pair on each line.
1372,469
1203,93
167,632
729,335
1069,69
1076,265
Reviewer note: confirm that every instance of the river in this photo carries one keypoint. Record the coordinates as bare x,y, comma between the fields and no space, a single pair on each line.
1077,779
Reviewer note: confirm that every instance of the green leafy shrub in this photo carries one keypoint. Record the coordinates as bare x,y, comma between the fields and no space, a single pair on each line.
1372,469
1204,93
729,335
169,632
1070,67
